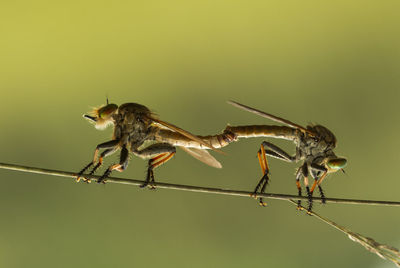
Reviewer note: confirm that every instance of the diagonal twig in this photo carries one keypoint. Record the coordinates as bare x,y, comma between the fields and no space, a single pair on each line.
384,251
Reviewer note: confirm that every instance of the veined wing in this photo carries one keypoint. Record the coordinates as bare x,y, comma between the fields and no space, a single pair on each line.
270,116
186,133
203,156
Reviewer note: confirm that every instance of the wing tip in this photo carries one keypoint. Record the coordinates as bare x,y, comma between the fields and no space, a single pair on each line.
218,166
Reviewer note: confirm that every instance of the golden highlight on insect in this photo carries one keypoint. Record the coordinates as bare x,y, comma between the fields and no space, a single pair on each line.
138,131
314,146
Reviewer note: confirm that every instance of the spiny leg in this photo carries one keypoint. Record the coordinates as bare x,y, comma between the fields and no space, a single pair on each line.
102,155
310,195
154,163
272,150
304,170
298,177
160,153
80,173
316,170
123,163
262,158
150,173
321,193
261,202
263,168
275,151
105,145
317,183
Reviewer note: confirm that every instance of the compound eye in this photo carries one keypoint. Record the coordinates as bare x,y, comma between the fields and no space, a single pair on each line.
107,111
337,163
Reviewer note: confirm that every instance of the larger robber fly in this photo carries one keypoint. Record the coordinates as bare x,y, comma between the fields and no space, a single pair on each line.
138,131
314,147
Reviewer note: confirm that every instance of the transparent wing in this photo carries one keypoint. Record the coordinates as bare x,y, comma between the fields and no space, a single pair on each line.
186,134
203,156
269,116
161,126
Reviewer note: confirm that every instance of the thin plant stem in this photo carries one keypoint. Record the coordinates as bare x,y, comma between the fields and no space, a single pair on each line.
382,250
199,189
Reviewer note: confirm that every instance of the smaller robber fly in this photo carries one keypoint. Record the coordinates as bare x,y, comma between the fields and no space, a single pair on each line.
138,131
314,146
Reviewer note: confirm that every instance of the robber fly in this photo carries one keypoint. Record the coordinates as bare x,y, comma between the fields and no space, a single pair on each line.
314,146
138,131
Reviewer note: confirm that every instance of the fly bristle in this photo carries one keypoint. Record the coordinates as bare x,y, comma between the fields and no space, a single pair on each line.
99,123
103,123
95,111
322,194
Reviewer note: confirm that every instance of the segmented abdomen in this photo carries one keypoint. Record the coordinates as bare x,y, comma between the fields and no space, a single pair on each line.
230,134
251,131
177,139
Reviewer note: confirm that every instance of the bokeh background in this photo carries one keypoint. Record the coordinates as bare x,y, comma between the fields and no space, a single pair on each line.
330,62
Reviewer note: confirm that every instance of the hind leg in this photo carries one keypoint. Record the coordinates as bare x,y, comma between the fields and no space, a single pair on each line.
159,154
273,151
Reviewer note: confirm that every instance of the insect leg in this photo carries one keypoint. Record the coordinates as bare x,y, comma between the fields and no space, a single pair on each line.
305,171
105,153
299,174
262,158
123,163
316,170
160,153
321,192
270,149
156,162
277,152
105,145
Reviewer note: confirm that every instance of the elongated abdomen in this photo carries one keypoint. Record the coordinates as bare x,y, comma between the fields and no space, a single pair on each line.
252,131
229,135
177,139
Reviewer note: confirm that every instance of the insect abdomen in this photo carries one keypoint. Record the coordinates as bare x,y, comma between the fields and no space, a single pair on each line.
177,139
251,131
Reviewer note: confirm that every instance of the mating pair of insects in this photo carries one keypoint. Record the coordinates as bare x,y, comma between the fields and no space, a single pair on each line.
135,127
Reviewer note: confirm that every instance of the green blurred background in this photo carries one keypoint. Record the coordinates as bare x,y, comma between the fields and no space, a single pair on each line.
330,62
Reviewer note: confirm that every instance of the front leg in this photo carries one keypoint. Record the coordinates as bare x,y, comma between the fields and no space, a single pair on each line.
316,170
299,175
105,153
106,145
123,163
159,154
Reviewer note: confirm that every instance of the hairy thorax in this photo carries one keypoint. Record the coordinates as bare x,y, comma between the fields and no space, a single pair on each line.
131,124
313,146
